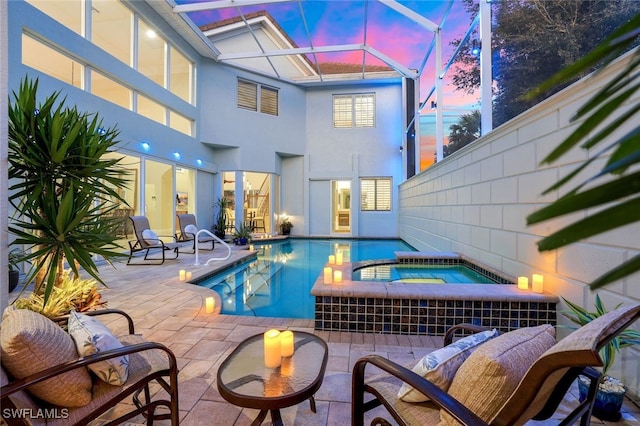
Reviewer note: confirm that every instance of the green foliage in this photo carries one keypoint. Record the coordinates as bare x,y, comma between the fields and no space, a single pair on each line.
614,191
243,232
221,206
61,187
581,316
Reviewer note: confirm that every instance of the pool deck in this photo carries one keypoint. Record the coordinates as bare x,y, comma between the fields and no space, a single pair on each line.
172,312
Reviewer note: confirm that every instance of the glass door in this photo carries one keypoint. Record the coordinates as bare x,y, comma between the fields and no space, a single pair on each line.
159,197
341,206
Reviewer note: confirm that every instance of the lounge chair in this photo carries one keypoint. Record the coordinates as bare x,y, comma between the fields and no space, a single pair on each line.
188,231
507,380
147,240
35,349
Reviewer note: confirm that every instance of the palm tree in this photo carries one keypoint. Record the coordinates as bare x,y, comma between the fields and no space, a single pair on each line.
61,186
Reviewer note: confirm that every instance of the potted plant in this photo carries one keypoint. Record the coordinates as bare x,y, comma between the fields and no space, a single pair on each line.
611,390
14,268
242,235
221,206
285,225
62,187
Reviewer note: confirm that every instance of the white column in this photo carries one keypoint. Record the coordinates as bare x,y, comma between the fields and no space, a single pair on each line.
439,96
486,80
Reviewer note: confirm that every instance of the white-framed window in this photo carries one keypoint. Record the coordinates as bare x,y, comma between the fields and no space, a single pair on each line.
251,94
355,110
375,194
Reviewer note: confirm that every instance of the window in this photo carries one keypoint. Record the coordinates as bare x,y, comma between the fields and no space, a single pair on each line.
250,95
180,123
68,12
112,29
180,73
151,109
375,194
111,91
51,62
354,110
151,53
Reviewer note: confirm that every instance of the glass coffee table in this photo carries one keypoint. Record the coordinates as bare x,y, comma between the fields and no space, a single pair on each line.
243,379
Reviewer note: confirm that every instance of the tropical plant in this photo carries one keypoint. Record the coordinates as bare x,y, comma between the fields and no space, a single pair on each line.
221,206
72,293
15,255
61,186
465,131
581,316
614,191
243,232
285,225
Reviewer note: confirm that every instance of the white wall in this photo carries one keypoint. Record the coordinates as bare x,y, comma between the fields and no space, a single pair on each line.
475,202
352,153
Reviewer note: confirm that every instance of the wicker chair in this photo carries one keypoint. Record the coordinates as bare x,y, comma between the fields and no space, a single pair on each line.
188,230
151,366
536,394
146,240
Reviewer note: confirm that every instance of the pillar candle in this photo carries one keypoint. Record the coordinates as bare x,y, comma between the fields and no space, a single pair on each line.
339,258
523,283
210,304
327,276
332,259
188,275
337,276
182,274
272,356
286,343
537,284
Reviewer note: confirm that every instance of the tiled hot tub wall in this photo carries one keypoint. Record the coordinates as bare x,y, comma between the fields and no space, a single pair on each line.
425,316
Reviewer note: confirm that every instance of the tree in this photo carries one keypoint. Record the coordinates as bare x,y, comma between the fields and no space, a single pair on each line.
464,132
534,39
62,187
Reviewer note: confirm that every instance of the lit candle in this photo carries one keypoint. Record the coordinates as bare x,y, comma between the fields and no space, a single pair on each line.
523,283
332,259
286,343
188,276
337,276
272,355
537,285
210,304
327,275
339,258
182,274
251,247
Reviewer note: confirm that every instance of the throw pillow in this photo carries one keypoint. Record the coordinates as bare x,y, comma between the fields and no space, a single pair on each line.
439,367
31,342
191,229
150,237
492,372
91,337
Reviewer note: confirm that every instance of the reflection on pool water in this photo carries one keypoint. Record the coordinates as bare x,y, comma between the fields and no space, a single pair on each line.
278,283
424,274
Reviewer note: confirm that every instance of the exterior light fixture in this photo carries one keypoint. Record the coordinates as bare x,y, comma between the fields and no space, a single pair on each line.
199,162
475,49
145,146
177,155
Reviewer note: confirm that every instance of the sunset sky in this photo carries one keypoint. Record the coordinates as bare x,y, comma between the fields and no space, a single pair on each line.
338,22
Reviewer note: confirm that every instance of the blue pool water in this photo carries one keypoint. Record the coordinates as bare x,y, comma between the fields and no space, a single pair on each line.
408,274
278,283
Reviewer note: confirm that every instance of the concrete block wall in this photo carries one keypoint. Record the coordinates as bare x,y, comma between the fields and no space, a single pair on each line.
475,202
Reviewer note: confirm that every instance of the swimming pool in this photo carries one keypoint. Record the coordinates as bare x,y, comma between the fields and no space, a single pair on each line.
393,273
278,282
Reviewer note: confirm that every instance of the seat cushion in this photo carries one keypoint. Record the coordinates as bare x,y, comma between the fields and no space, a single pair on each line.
30,342
489,376
439,367
91,337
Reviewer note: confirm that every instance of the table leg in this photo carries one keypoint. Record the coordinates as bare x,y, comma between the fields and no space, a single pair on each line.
312,401
276,419
260,418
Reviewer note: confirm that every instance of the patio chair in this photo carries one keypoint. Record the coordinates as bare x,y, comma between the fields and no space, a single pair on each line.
147,240
507,380
45,381
188,231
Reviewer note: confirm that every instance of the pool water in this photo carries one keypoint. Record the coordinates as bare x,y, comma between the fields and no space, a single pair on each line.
424,274
278,283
